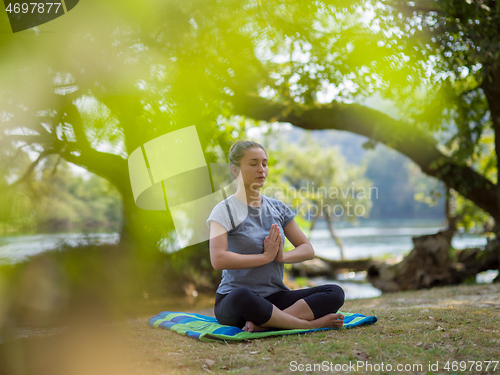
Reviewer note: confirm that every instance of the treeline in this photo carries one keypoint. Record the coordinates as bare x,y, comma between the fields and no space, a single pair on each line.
404,192
57,199
400,190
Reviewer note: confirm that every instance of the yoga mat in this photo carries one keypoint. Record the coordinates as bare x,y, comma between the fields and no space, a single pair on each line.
206,328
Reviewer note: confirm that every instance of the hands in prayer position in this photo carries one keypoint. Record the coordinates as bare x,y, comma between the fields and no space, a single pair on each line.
273,244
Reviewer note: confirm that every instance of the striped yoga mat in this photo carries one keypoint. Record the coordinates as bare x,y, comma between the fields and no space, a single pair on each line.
206,328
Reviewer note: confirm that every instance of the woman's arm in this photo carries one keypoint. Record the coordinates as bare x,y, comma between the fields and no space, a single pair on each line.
303,248
223,259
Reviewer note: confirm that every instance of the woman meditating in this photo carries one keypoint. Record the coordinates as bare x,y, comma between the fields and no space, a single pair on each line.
246,241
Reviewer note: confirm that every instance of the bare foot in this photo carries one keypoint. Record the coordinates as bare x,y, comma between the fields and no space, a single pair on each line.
330,320
251,327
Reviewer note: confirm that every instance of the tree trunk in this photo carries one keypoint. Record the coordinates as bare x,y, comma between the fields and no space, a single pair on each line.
140,228
429,264
475,260
449,219
337,239
313,222
329,268
491,87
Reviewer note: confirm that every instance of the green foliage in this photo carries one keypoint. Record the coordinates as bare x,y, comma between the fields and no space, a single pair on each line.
466,214
458,39
470,217
188,267
302,282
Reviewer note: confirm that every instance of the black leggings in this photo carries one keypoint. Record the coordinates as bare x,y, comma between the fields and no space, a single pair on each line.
243,304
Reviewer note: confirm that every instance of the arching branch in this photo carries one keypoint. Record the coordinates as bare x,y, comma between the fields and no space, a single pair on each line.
397,134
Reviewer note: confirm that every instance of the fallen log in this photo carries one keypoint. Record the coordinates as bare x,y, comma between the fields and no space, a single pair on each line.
475,259
320,266
430,264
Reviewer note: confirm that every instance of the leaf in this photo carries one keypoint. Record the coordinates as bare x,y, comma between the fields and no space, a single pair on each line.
369,145
207,364
361,355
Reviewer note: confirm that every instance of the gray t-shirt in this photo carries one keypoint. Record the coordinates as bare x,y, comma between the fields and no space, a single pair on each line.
251,226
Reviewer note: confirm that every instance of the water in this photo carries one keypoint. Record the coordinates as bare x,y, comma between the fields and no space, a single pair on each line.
354,284
19,248
359,242
380,241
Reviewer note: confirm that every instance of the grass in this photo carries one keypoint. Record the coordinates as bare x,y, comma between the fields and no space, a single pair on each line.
425,327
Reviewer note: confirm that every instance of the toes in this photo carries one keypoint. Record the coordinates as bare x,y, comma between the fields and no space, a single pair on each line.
248,327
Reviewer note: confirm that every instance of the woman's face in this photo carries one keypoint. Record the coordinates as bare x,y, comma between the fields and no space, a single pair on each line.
253,167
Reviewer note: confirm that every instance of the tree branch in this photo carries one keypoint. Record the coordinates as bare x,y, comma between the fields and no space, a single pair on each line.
109,166
74,118
28,139
32,167
375,125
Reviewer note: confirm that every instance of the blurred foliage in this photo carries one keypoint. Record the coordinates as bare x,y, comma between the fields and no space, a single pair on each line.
451,48
469,217
92,86
466,215
57,200
103,280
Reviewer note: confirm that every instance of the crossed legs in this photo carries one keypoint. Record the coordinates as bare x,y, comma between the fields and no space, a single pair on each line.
305,308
